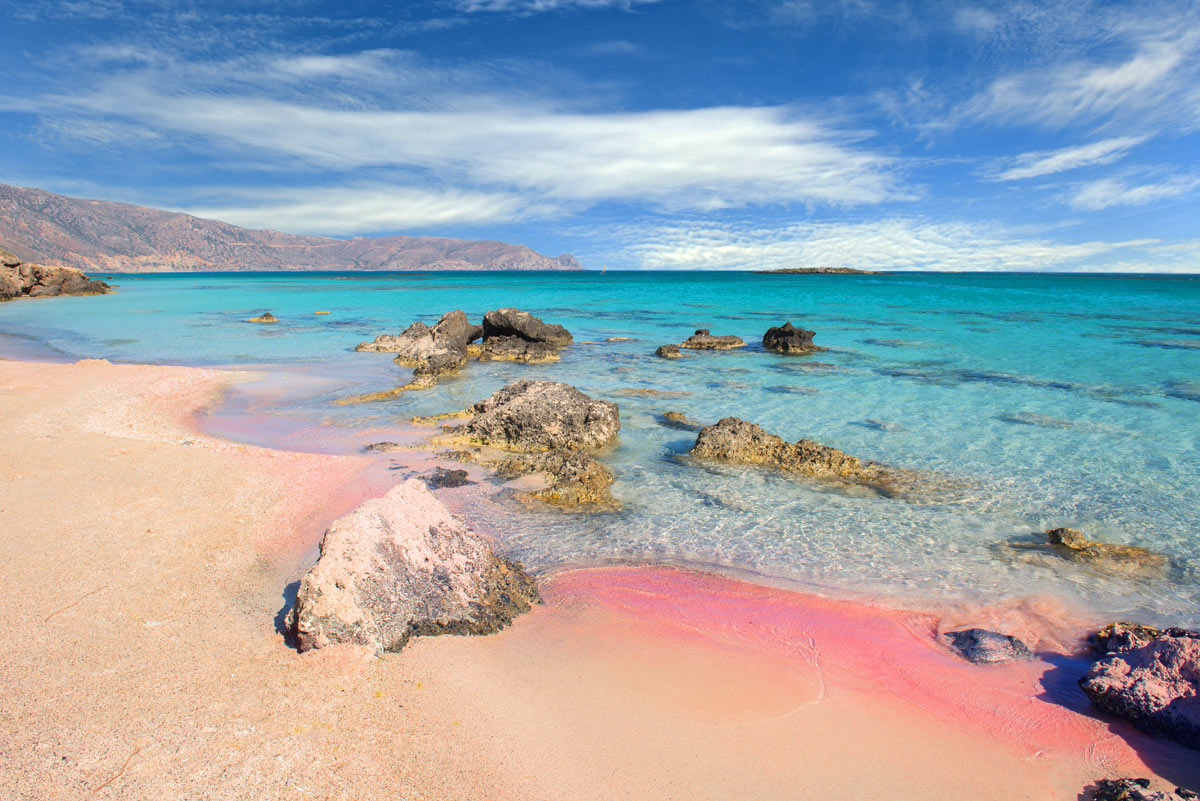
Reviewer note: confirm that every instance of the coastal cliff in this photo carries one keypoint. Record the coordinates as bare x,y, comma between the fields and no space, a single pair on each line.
103,236
20,279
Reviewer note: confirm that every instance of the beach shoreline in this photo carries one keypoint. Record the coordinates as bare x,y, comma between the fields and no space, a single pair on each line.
148,561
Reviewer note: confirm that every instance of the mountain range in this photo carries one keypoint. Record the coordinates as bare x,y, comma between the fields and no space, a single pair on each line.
104,236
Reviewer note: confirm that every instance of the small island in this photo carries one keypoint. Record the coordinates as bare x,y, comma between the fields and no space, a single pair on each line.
819,271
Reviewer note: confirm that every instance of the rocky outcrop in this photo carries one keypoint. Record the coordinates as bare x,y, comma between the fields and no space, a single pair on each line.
1123,636
668,352
985,647
22,279
430,351
538,416
441,478
575,479
734,440
518,336
265,317
1155,686
400,566
1136,790
791,340
98,236
1073,546
703,340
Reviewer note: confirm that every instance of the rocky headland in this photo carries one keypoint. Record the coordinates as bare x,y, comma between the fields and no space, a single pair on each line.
23,279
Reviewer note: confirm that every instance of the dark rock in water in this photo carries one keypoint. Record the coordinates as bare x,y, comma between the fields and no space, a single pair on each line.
522,324
668,352
441,478
540,415
430,351
265,317
1137,790
985,647
382,447
21,279
402,565
516,349
1073,546
1156,687
789,339
735,440
680,421
576,480
703,340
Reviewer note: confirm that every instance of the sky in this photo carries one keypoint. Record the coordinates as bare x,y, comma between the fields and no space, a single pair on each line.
635,134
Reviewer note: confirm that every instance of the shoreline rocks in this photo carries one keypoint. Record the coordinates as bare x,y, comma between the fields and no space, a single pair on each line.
540,415
400,566
1072,546
735,440
983,647
575,479
704,340
1155,685
21,279
790,340
1137,790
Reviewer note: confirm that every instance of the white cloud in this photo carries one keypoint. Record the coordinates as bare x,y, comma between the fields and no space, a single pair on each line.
896,244
385,111
1108,192
342,211
1035,165
534,6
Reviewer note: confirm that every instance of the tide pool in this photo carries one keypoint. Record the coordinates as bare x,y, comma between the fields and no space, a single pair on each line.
1042,400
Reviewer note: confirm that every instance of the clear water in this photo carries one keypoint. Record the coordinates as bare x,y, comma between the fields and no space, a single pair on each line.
1050,400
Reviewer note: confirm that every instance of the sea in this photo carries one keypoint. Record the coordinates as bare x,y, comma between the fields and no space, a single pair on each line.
1030,401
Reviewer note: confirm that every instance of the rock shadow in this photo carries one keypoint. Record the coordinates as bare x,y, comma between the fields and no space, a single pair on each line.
289,603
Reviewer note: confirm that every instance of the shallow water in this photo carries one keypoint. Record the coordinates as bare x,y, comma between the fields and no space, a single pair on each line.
1039,400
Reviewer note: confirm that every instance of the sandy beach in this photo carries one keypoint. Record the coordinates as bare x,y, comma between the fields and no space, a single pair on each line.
144,566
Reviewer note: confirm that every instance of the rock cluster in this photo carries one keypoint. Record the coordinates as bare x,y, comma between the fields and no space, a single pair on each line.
517,336
552,425
20,279
1151,680
734,440
1137,790
430,351
402,565
985,647
704,340
790,340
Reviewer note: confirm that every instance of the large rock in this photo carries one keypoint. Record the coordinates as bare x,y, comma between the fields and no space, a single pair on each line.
1137,790
703,340
402,565
574,478
985,647
430,351
522,324
539,416
1155,686
19,279
791,340
734,440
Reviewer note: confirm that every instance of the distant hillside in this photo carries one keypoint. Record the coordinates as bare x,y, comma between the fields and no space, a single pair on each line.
101,236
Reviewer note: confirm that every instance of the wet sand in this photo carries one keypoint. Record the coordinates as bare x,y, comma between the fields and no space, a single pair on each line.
143,567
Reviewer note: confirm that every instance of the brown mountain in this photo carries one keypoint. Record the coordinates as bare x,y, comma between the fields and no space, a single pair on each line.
101,236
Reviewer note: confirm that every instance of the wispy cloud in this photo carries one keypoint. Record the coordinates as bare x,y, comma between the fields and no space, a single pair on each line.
894,244
1036,165
535,6
1108,192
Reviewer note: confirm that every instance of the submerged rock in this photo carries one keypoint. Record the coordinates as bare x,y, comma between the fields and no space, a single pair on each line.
985,647
265,317
400,566
22,279
680,421
703,340
1066,544
1034,419
668,352
441,478
1137,790
1156,687
575,478
540,415
790,340
734,440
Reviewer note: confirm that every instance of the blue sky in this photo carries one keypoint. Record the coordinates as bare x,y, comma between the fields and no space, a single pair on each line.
661,134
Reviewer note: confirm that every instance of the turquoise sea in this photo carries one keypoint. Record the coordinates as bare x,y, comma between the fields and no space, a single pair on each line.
1043,400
